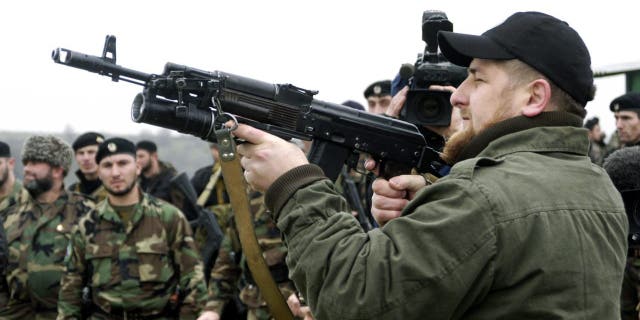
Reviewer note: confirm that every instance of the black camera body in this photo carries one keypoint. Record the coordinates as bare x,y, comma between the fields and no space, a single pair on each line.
423,106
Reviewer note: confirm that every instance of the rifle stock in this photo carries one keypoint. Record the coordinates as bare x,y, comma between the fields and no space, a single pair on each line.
197,102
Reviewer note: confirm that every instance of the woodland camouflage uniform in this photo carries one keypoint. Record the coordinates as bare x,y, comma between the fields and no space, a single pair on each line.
134,267
38,236
17,195
231,276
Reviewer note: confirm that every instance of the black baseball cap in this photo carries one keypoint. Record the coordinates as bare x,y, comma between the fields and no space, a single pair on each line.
543,42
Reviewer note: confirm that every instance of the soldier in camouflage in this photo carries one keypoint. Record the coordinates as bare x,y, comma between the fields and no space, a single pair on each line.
11,191
135,252
231,276
38,231
85,148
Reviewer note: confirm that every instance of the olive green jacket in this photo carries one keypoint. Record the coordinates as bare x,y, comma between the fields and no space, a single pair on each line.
527,229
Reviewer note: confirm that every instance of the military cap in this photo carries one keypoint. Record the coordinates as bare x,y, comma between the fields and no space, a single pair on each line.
147,145
545,43
49,149
5,151
378,88
354,105
626,101
87,139
591,123
113,146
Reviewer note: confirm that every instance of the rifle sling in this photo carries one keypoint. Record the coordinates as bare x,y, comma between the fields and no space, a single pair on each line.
235,185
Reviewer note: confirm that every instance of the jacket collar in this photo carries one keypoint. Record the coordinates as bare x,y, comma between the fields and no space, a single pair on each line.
549,131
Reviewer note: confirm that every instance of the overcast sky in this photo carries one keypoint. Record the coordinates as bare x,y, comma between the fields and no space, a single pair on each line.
335,47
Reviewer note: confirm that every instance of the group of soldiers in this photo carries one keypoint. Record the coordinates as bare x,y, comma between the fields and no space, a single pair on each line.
112,245
118,244
115,244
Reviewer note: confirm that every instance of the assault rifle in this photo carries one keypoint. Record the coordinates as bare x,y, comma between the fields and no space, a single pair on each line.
198,102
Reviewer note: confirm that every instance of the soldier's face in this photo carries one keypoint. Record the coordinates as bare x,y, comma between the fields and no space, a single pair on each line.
378,105
118,174
38,177
628,126
4,170
486,96
86,159
143,158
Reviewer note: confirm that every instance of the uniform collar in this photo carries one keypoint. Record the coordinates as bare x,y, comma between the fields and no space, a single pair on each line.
548,131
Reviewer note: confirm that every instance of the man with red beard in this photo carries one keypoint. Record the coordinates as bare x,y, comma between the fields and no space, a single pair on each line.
523,227
38,230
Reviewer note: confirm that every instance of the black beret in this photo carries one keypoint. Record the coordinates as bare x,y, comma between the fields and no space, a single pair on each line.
113,146
378,88
147,145
5,151
626,101
591,123
87,139
354,105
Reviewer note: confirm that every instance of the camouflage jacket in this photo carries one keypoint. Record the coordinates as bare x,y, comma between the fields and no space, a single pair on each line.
37,237
231,273
18,194
135,267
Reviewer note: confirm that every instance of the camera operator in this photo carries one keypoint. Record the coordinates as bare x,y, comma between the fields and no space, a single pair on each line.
523,227
624,169
421,95
383,190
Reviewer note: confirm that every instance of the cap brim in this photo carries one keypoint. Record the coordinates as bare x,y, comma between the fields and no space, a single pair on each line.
461,48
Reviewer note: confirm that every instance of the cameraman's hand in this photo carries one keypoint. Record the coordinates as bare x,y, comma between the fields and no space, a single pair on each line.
266,157
391,196
397,102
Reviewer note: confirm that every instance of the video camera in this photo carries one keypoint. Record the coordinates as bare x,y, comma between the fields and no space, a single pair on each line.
424,106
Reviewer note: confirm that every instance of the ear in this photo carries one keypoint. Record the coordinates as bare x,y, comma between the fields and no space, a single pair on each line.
539,92
57,172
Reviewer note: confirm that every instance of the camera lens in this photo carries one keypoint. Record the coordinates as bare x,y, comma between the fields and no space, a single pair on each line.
428,107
